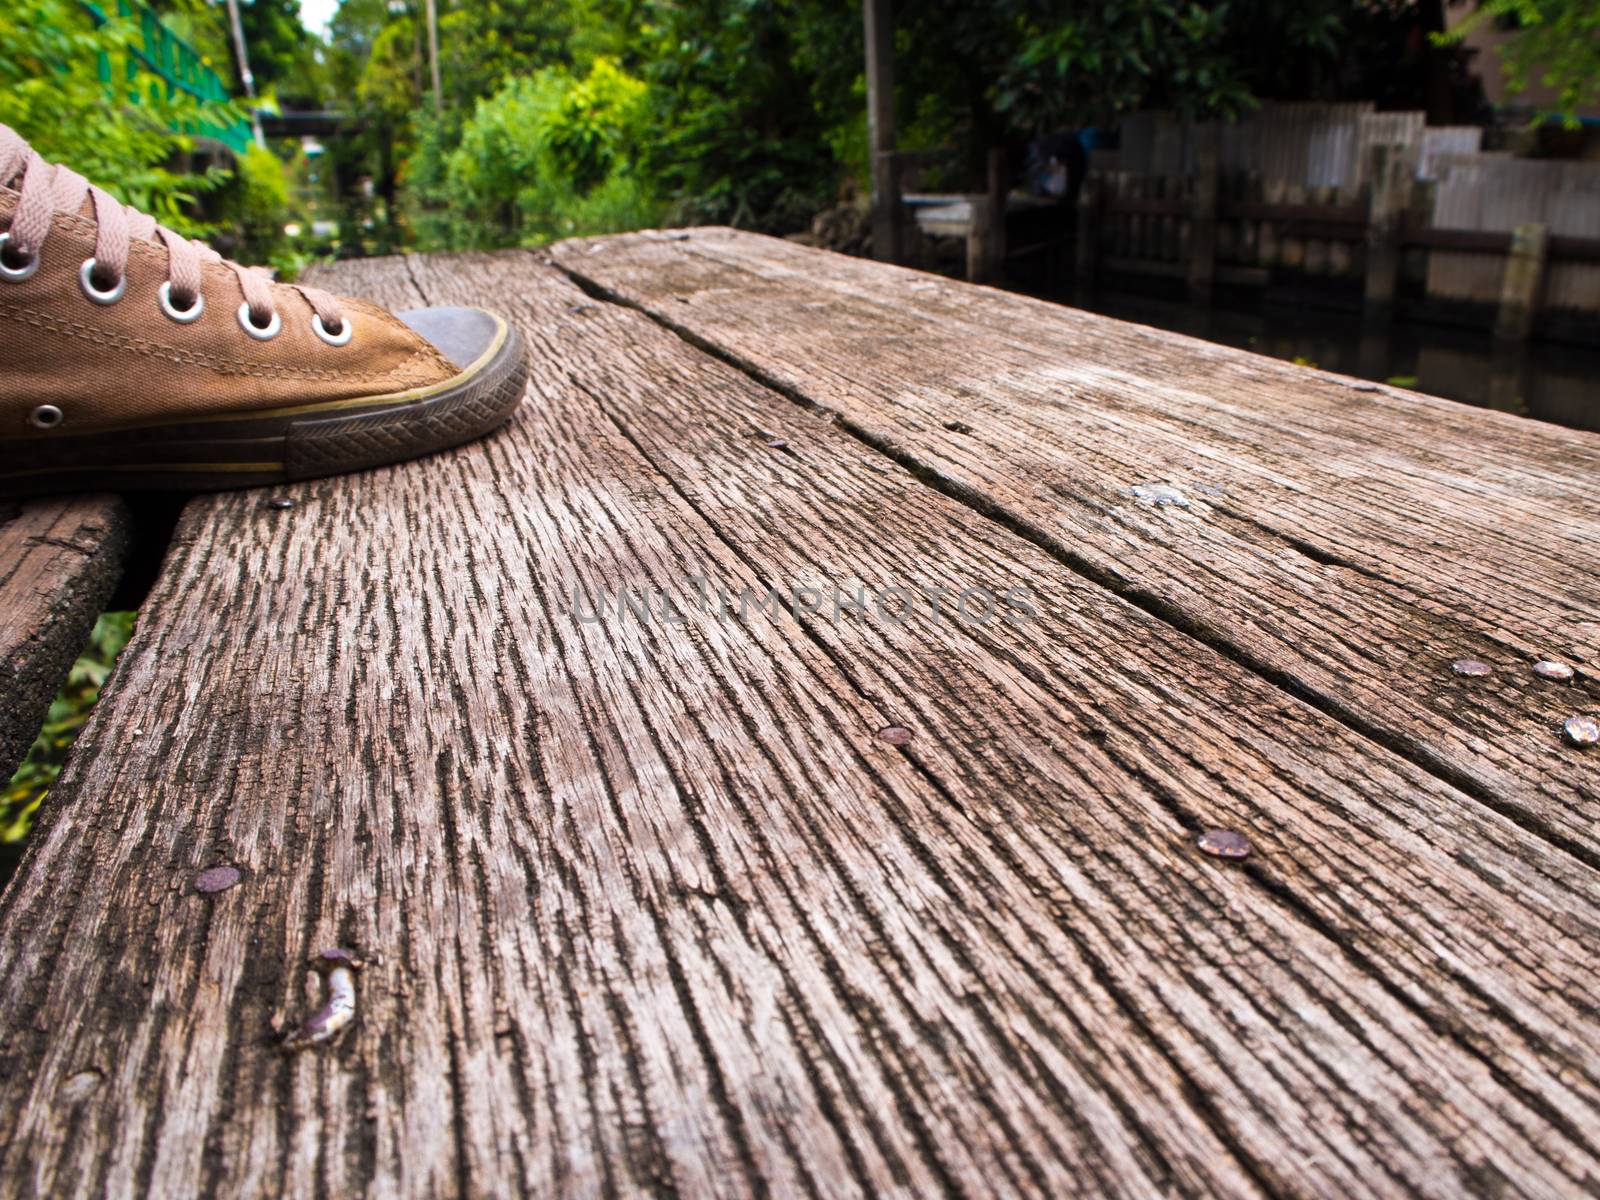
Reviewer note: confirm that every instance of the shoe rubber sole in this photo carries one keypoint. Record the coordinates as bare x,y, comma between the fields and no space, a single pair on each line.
216,452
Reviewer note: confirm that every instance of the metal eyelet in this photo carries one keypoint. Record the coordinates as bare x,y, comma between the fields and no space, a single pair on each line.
347,330
46,416
110,295
15,274
182,316
256,331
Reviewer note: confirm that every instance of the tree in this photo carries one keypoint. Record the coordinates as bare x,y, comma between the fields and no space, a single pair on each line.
983,76
1557,44
549,155
51,93
283,53
1052,63
484,42
750,96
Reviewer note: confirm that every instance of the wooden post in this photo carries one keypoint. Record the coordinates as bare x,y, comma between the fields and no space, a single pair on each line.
1519,290
879,18
1090,204
978,239
1316,260
1508,377
1391,197
1372,355
986,236
1248,187
1203,216
1291,244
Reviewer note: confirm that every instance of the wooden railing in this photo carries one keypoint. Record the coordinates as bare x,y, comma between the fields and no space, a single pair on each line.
1410,216
163,59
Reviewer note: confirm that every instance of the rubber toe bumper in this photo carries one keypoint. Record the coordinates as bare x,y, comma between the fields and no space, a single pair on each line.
494,371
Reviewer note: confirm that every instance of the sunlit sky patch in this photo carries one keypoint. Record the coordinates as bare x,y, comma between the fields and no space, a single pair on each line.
316,14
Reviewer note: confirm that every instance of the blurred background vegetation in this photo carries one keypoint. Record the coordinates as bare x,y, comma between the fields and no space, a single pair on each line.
567,117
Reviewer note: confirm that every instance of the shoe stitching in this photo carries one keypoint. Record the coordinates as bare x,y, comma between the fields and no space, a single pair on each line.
407,368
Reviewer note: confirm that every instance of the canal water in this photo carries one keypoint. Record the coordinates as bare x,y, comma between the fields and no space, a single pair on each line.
1547,381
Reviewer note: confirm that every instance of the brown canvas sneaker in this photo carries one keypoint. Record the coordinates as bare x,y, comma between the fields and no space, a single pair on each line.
131,357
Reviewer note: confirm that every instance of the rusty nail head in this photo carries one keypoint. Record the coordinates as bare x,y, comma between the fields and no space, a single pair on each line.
216,879
1471,666
1549,668
1582,731
895,735
280,502
1224,843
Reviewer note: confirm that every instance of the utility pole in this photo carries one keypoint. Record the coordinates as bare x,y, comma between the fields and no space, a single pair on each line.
433,54
246,79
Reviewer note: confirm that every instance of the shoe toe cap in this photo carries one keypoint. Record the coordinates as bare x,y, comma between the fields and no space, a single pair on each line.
463,335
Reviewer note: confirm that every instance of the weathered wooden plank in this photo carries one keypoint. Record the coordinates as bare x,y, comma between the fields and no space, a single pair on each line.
59,561
1348,540
651,907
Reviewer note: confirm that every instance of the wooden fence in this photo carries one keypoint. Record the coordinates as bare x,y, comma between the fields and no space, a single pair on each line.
1341,191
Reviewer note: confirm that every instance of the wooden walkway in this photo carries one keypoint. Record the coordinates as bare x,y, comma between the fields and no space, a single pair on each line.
794,901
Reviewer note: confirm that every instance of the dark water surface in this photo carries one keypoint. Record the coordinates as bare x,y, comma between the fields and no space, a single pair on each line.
1547,381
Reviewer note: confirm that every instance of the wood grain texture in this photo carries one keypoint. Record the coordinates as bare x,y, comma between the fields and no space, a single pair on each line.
1345,539
60,559
650,908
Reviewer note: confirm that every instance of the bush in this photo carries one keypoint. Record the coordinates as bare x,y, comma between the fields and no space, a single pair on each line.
547,156
51,93
68,712
758,107
250,212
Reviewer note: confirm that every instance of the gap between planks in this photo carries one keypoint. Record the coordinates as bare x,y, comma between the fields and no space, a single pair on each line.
60,560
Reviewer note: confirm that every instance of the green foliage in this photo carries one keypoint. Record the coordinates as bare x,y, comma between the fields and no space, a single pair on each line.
597,125
484,43
203,26
756,108
1033,65
546,156
51,93
1557,44
1112,59
68,712
252,210
283,53
755,102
